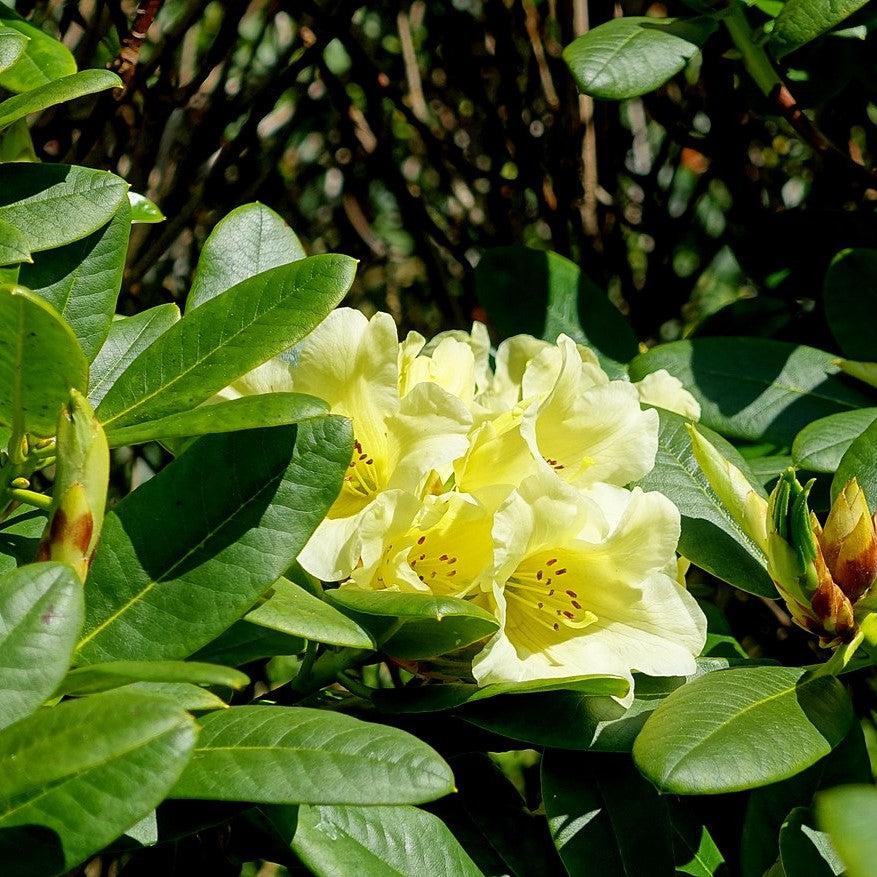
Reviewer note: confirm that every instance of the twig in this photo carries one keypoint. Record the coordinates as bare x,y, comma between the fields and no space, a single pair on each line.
125,63
589,140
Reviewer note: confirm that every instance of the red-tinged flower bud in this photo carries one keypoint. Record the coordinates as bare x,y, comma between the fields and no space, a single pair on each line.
80,492
849,542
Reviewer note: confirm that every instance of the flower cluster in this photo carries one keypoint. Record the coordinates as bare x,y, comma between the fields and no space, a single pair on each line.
505,486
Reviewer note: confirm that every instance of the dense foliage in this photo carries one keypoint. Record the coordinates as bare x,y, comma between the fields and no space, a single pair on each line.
581,579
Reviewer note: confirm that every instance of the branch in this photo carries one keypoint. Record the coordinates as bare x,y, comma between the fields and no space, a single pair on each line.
125,63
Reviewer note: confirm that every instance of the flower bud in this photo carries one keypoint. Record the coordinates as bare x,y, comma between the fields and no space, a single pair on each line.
798,567
849,542
79,497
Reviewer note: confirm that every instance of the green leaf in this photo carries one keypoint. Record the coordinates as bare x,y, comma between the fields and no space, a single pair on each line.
755,389
604,817
244,642
86,771
40,362
193,548
12,46
804,20
767,807
450,695
630,56
19,537
230,415
250,240
127,339
740,729
41,608
57,92
560,299
378,842
227,337
13,245
500,816
81,280
849,815
56,204
820,446
850,297
144,211
695,850
804,851
292,610
114,674
859,461
430,625
183,694
710,538
295,755
44,58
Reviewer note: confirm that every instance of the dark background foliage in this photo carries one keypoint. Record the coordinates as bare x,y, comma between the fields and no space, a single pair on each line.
416,135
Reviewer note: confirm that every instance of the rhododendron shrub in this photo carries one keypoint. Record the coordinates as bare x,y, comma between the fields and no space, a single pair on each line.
283,591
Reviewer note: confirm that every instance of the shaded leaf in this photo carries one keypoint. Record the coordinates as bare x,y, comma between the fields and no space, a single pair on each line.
859,461
802,21
114,674
849,814
820,446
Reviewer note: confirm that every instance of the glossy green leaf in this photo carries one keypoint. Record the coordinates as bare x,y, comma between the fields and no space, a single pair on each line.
604,817
229,415
56,204
244,642
115,755
802,21
127,339
144,211
804,851
59,91
12,46
430,624
250,240
710,538
741,728
630,56
295,755
768,807
41,609
292,610
19,537
44,58
378,842
449,695
16,144
82,280
859,461
820,446
849,814
114,674
183,694
13,245
755,389
193,548
850,296
227,337
40,362
560,299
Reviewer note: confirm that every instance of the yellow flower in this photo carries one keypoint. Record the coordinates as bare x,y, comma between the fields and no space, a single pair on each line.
584,581
352,363
581,425
663,390
441,544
